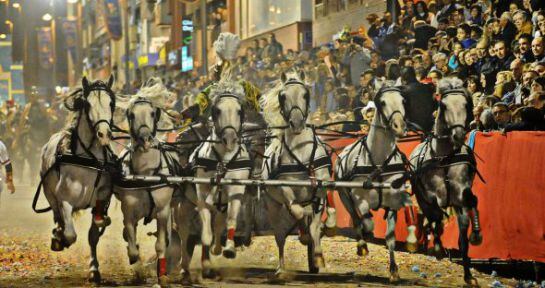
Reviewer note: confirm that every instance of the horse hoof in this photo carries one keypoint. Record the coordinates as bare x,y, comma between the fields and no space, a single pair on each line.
208,273
319,261
134,256
163,281
186,279
247,241
412,247
438,251
94,277
394,277
472,282
363,250
133,259
56,245
229,254
304,239
216,250
330,232
475,238
280,274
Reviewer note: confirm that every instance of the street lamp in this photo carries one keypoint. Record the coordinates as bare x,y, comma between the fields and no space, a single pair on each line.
16,5
47,17
3,36
72,1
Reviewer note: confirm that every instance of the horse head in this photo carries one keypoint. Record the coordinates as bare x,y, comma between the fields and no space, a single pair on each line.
391,109
227,112
455,111
143,117
294,101
96,101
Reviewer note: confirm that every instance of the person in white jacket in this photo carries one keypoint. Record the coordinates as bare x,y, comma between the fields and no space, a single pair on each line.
6,162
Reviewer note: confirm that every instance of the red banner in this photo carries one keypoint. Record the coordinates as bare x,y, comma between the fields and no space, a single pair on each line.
511,202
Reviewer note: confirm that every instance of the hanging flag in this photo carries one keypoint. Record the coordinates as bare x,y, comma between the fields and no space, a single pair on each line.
113,19
70,31
45,47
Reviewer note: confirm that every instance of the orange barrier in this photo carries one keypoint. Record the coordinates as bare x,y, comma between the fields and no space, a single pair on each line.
511,202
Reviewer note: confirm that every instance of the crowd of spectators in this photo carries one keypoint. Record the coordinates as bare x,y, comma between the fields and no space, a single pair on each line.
496,47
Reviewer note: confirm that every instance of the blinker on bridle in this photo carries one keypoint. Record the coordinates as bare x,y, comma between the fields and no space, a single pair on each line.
379,105
221,131
141,101
281,99
457,92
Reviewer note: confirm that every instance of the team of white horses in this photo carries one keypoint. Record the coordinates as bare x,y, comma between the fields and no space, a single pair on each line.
80,171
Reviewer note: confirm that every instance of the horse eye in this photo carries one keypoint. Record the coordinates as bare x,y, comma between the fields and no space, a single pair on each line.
383,103
153,114
131,116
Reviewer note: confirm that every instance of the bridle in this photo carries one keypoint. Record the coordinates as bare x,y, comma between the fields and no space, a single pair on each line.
282,100
220,131
449,128
130,118
380,108
82,104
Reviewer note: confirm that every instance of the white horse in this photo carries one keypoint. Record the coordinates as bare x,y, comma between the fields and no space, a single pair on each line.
147,156
75,163
295,153
222,155
445,168
376,158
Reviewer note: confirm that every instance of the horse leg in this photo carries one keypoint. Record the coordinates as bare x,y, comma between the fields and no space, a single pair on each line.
463,243
273,211
249,212
163,216
233,208
316,257
183,220
391,243
206,233
219,226
367,225
437,243
93,237
69,233
410,220
330,228
296,210
471,201
56,238
129,231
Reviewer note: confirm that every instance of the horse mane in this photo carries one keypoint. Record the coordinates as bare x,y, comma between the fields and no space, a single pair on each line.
271,107
157,93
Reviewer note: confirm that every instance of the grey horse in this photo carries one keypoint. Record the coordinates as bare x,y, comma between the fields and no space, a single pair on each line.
445,168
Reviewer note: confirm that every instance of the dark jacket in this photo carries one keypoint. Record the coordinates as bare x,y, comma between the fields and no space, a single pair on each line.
505,63
420,104
422,35
508,33
532,120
